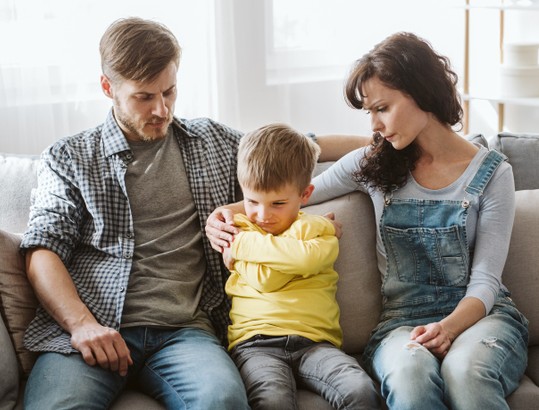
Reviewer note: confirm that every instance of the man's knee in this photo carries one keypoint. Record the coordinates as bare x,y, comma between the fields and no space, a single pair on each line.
66,381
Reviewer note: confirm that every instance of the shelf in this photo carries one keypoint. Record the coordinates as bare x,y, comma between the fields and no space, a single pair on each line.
505,7
494,95
525,101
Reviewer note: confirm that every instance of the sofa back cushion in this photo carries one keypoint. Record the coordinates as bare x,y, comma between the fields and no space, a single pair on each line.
522,151
358,290
521,271
17,178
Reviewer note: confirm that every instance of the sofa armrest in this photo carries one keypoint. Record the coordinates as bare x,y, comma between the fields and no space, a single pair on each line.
521,270
17,300
9,373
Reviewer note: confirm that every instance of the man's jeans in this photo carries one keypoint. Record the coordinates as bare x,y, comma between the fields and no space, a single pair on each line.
185,368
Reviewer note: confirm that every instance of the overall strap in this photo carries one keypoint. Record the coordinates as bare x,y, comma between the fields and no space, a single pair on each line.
482,177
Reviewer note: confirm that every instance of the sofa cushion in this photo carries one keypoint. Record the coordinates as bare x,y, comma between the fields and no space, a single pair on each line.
17,301
132,399
17,178
522,151
533,364
358,289
521,272
525,396
477,138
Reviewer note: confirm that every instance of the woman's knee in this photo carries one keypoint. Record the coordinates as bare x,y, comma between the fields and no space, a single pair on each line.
403,368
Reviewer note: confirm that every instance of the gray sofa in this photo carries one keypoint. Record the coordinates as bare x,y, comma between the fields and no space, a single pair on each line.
359,285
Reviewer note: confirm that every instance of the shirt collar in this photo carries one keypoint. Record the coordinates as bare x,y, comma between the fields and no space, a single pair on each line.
113,138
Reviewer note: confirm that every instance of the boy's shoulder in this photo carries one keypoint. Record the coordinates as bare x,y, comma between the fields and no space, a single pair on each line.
312,225
312,218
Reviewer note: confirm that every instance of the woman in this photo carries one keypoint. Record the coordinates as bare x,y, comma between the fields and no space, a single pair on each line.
449,335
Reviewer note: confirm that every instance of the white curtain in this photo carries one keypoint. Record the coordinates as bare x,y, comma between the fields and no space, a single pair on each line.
50,66
245,62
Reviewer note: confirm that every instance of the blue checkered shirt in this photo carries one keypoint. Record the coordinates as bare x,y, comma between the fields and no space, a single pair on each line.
80,211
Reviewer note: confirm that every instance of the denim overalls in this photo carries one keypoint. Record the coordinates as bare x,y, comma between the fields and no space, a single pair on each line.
428,264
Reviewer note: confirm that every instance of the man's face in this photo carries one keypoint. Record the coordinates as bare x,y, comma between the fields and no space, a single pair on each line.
144,110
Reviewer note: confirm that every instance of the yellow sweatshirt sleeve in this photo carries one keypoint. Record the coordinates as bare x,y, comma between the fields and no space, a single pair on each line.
267,262
261,277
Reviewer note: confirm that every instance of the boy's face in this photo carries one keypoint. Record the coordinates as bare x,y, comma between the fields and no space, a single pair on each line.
275,211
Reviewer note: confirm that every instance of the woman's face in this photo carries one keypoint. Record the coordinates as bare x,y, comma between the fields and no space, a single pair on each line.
394,115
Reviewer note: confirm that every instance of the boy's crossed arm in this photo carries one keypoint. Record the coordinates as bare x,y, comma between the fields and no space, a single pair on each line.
268,262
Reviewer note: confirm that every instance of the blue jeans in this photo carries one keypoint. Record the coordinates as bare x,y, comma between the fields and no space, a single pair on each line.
271,367
185,368
484,364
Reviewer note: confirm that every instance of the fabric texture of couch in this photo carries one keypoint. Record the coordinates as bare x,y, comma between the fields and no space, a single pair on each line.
358,289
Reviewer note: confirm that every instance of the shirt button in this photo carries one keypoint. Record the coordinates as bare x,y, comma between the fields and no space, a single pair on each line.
129,235
122,289
127,255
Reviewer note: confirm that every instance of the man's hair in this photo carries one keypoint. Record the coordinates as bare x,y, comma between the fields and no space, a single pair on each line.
137,49
276,155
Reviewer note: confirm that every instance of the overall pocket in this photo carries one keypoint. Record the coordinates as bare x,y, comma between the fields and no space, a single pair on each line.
433,256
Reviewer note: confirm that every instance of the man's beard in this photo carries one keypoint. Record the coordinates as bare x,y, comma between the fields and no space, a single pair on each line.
131,126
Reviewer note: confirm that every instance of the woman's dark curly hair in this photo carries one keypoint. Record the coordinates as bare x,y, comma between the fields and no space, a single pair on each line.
407,63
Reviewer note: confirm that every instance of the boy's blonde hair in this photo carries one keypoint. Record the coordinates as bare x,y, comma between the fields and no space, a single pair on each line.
276,155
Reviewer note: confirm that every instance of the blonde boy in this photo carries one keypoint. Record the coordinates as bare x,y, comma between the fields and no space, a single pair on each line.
285,318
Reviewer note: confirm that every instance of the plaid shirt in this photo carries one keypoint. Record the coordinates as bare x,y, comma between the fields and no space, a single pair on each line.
81,211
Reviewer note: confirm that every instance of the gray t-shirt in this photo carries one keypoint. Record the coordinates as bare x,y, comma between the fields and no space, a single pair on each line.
165,283
489,223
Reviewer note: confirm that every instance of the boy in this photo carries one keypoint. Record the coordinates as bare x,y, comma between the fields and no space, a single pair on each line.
285,318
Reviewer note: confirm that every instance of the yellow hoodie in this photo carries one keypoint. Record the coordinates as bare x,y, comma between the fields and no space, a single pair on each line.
284,284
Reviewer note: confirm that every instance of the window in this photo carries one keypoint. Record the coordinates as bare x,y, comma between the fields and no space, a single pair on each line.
318,40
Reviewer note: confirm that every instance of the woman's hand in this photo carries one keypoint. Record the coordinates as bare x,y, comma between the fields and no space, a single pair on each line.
433,337
220,228
438,337
228,260
336,224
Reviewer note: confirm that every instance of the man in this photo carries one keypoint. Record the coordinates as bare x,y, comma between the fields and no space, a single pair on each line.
130,289
115,250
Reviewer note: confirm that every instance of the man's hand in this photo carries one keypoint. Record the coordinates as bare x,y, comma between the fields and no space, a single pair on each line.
220,228
104,346
336,224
